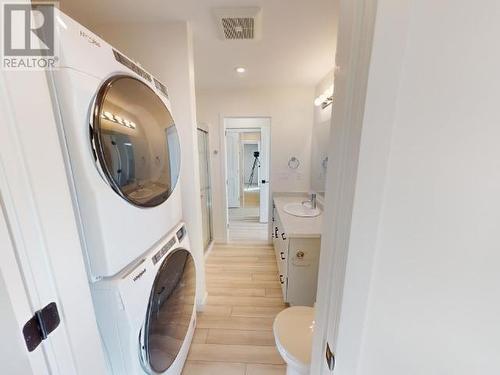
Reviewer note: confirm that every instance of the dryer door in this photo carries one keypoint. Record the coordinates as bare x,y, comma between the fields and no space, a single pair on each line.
169,312
135,141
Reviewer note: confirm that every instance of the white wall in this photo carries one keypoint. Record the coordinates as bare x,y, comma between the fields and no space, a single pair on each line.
291,113
432,125
166,51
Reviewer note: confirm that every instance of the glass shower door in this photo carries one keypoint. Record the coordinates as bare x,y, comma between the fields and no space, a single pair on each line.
205,187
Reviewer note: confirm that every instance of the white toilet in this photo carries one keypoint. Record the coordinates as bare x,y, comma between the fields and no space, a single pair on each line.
293,332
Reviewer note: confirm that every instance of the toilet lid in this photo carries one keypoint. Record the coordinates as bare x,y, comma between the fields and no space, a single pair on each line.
293,331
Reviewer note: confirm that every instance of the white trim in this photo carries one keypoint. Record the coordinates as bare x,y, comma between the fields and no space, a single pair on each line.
209,249
357,19
209,166
202,303
222,134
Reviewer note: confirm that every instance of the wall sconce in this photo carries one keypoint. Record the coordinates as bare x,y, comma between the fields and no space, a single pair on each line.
325,99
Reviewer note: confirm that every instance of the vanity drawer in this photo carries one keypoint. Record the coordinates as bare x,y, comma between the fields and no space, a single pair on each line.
280,240
275,229
280,243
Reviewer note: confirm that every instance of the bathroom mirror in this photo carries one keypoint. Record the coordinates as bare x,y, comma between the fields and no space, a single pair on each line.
319,155
321,133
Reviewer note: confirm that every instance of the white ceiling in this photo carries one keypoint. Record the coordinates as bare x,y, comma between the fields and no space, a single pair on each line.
297,46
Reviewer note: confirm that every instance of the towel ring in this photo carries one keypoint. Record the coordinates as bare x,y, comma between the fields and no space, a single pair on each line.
324,163
293,163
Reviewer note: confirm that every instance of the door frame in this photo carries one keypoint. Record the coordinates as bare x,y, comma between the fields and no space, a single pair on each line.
353,59
264,129
204,128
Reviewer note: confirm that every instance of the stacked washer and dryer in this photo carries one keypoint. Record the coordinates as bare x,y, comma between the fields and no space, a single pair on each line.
123,157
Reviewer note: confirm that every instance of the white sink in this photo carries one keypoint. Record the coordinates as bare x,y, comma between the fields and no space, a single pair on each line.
301,209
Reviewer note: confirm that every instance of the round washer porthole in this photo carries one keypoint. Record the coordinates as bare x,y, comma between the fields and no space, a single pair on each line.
136,141
168,316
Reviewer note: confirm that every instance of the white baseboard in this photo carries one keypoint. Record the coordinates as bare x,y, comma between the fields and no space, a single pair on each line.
200,305
209,249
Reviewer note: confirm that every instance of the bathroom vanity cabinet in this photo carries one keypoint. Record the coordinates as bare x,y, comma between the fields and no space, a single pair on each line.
296,243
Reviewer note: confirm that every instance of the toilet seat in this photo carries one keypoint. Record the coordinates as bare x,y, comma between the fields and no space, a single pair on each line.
293,332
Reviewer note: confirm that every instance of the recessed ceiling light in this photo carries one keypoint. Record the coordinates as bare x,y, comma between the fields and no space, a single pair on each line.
240,69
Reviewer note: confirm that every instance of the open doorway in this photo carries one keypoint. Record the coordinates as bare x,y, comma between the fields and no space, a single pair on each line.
247,170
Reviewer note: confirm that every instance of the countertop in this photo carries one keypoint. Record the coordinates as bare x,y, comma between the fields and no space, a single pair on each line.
298,227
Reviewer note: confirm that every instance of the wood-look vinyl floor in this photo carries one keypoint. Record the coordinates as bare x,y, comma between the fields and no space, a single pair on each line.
244,226
234,334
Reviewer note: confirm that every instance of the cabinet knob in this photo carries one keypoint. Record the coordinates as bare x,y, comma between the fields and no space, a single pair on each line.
282,255
283,236
300,254
282,279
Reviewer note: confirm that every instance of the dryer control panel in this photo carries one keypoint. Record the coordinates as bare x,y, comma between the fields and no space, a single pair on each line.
157,257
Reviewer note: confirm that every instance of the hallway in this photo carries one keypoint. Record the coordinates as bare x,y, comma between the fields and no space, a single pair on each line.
234,334
244,224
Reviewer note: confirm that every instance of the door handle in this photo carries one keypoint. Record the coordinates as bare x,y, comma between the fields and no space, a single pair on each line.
330,357
282,255
282,279
264,181
283,236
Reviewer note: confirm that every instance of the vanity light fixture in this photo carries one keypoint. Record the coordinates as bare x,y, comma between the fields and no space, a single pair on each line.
108,115
240,69
325,99
119,120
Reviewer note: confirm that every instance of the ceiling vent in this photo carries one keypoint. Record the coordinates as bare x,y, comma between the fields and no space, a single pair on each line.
239,23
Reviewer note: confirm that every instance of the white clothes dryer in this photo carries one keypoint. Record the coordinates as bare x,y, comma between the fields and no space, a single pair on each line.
146,313
122,148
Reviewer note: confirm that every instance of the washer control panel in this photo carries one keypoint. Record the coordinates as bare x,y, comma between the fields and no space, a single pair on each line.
181,233
157,257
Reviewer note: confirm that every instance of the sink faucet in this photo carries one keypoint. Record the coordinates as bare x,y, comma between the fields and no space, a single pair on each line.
313,201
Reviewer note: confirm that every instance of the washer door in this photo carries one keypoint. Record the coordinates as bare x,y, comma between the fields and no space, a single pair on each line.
135,141
169,311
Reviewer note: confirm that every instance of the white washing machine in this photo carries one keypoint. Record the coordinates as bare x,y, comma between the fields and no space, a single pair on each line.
146,313
122,145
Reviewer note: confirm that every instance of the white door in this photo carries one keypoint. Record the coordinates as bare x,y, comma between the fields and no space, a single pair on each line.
265,152
15,311
233,169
